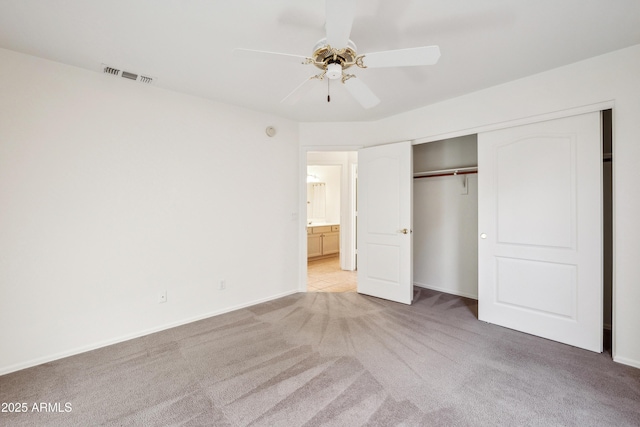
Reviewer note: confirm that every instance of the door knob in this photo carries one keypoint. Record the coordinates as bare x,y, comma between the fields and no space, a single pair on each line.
483,236
404,231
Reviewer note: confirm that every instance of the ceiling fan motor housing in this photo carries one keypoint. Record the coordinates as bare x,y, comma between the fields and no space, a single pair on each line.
334,60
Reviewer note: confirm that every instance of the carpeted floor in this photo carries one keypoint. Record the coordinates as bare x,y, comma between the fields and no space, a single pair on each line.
333,359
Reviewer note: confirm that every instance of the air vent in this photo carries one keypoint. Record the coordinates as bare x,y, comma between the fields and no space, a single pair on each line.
126,74
110,70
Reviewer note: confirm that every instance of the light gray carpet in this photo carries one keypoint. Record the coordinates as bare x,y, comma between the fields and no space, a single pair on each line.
333,359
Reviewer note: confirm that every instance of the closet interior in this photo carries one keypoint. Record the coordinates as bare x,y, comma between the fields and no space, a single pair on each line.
445,216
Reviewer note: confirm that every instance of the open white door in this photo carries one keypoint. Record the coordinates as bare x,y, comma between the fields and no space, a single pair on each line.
540,225
385,181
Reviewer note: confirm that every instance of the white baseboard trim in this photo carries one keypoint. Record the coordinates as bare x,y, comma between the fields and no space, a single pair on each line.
628,362
46,359
446,290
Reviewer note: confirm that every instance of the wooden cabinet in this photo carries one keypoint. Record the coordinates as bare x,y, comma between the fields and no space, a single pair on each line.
314,245
323,240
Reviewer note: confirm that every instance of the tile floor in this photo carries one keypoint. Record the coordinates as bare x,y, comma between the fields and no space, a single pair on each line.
325,275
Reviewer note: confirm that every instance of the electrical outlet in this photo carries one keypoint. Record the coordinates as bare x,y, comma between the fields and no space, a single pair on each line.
222,285
162,297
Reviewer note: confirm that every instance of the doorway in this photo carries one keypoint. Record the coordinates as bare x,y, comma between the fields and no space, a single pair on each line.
445,216
330,221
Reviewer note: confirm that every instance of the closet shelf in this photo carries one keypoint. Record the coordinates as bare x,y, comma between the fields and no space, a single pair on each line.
446,172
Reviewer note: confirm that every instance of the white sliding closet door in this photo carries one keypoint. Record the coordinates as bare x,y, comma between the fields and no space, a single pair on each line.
540,225
385,184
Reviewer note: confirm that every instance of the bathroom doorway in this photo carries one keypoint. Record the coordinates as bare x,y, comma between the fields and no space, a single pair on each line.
330,221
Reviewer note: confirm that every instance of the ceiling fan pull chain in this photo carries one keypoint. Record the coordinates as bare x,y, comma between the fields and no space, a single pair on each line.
328,90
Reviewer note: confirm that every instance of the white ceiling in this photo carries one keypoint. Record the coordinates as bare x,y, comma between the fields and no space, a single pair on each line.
187,45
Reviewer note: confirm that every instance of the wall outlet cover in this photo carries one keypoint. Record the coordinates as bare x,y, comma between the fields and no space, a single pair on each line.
162,297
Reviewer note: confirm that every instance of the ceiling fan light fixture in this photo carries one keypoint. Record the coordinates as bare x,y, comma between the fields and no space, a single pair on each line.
334,71
333,62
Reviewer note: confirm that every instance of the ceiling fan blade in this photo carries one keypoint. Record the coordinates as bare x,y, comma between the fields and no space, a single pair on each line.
262,54
299,92
339,19
361,93
426,55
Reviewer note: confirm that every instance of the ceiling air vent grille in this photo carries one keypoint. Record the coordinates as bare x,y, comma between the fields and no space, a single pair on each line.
110,70
126,74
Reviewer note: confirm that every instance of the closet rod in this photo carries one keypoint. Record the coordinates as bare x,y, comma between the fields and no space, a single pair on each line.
446,172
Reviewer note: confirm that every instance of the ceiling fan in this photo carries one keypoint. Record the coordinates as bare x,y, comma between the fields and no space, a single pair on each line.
336,53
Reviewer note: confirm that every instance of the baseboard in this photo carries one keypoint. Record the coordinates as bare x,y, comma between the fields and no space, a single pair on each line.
446,290
106,343
319,257
628,362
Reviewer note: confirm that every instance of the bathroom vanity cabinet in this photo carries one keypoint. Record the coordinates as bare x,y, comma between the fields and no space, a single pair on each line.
323,240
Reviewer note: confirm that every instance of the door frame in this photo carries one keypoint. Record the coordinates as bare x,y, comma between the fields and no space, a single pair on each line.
302,205
590,108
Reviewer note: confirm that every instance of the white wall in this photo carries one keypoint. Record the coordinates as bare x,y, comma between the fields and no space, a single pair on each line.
445,230
112,191
611,77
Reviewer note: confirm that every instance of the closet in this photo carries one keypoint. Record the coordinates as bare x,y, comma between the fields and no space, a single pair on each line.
445,216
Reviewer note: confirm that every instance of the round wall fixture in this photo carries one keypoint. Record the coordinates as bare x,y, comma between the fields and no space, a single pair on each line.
271,131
